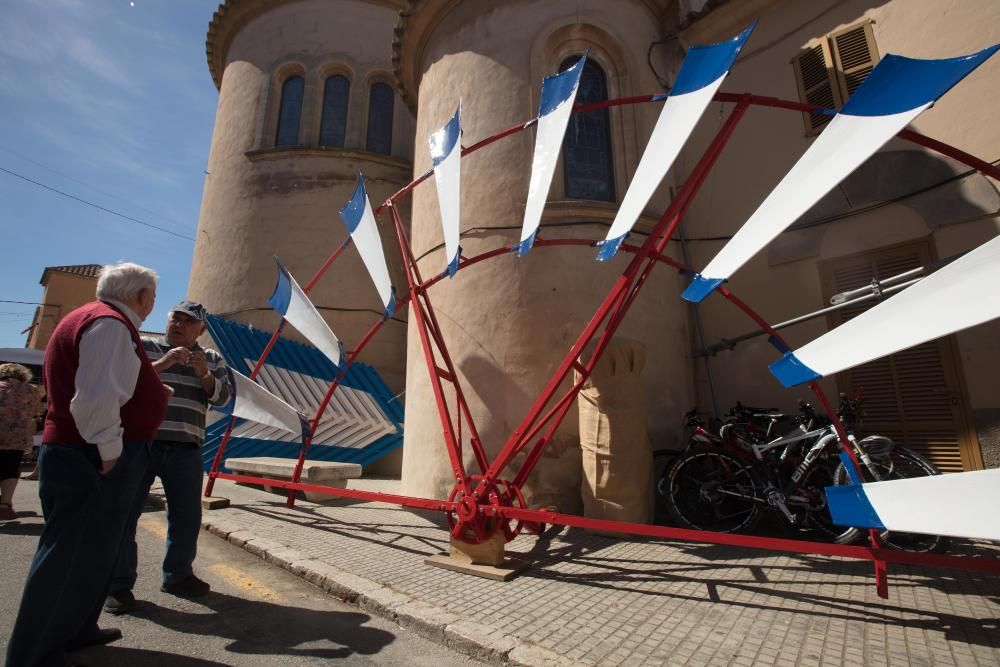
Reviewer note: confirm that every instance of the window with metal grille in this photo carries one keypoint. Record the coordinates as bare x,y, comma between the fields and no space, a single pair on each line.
829,71
380,102
290,111
333,121
588,167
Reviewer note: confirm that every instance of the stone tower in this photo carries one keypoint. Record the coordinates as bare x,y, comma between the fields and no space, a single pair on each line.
285,154
509,321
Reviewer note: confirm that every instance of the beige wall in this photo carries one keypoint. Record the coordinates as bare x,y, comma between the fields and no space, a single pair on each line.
64,292
768,142
285,202
509,321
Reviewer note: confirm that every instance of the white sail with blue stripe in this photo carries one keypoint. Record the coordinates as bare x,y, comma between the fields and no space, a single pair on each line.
702,72
555,107
295,307
446,156
895,93
958,505
952,298
251,401
357,215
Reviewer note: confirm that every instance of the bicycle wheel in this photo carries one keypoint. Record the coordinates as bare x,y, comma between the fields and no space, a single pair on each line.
709,490
901,463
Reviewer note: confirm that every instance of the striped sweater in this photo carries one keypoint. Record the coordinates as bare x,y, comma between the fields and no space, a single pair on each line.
185,420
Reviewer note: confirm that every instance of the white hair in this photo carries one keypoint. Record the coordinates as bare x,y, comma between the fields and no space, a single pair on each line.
124,281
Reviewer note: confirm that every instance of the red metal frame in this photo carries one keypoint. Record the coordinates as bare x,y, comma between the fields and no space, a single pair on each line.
481,504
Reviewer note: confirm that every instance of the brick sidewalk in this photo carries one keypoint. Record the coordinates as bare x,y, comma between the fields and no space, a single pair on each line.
595,600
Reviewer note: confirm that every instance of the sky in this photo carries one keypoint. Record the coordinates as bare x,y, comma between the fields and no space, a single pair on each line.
109,101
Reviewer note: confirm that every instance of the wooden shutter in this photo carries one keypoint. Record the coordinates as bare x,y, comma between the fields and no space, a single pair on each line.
854,56
916,396
817,84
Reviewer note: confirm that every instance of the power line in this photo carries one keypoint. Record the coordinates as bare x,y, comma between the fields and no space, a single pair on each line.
97,206
86,185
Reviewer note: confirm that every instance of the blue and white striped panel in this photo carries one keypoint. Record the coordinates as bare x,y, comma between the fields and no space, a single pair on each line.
959,505
292,304
557,99
352,418
446,156
895,93
357,215
702,72
953,298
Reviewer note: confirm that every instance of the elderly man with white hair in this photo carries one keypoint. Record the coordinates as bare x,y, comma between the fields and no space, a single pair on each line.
105,402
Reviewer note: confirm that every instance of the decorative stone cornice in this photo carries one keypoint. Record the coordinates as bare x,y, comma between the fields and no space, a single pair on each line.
233,15
269,154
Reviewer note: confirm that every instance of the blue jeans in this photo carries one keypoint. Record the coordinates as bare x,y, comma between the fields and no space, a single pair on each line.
178,465
85,515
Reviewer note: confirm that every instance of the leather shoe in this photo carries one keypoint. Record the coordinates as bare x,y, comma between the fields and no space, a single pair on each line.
189,587
99,638
119,602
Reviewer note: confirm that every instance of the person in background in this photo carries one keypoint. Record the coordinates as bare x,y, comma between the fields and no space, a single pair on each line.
19,404
199,378
105,402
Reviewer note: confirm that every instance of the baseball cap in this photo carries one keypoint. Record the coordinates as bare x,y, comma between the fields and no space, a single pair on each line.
191,308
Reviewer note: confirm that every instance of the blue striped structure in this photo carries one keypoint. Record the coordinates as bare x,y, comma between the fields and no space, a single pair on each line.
238,342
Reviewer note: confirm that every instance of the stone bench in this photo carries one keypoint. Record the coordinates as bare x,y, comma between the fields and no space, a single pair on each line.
317,473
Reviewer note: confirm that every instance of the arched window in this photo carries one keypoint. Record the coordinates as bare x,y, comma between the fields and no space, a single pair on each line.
587,158
333,122
380,119
290,111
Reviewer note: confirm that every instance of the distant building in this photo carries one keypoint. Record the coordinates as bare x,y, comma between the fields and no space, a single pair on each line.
312,91
66,288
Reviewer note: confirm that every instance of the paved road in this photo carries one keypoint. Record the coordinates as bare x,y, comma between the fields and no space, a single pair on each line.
256,614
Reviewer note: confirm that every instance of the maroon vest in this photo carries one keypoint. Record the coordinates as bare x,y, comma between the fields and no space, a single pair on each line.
141,415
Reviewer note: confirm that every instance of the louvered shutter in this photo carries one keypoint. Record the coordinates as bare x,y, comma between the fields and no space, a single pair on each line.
915,396
854,57
817,84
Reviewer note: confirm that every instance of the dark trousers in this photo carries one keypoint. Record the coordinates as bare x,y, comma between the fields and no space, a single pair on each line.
85,515
178,465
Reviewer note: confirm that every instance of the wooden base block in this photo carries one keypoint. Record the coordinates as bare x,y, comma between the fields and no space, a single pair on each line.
505,571
214,503
490,552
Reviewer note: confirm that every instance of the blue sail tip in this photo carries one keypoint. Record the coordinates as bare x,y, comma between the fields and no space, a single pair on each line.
849,506
609,247
899,84
526,245
704,65
282,295
700,288
791,372
452,267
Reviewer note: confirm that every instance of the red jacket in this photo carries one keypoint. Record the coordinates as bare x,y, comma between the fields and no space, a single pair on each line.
141,415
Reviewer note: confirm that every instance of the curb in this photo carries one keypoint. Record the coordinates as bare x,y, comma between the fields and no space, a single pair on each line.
476,640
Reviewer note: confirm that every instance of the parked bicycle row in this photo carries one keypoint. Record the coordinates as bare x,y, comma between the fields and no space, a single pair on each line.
760,460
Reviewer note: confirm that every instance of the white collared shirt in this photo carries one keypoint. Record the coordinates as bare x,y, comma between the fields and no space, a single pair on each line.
105,380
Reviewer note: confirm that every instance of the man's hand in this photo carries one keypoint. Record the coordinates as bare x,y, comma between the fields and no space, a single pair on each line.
198,362
106,466
169,390
176,355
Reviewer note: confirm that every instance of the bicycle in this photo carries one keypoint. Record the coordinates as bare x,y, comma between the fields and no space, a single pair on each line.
724,483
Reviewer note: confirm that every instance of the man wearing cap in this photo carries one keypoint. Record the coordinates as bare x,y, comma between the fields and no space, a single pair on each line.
199,378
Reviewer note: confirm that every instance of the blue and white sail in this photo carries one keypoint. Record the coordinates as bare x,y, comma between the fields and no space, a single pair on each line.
958,505
960,295
295,307
446,156
557,99
895,93
357,215
702,72
251,401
